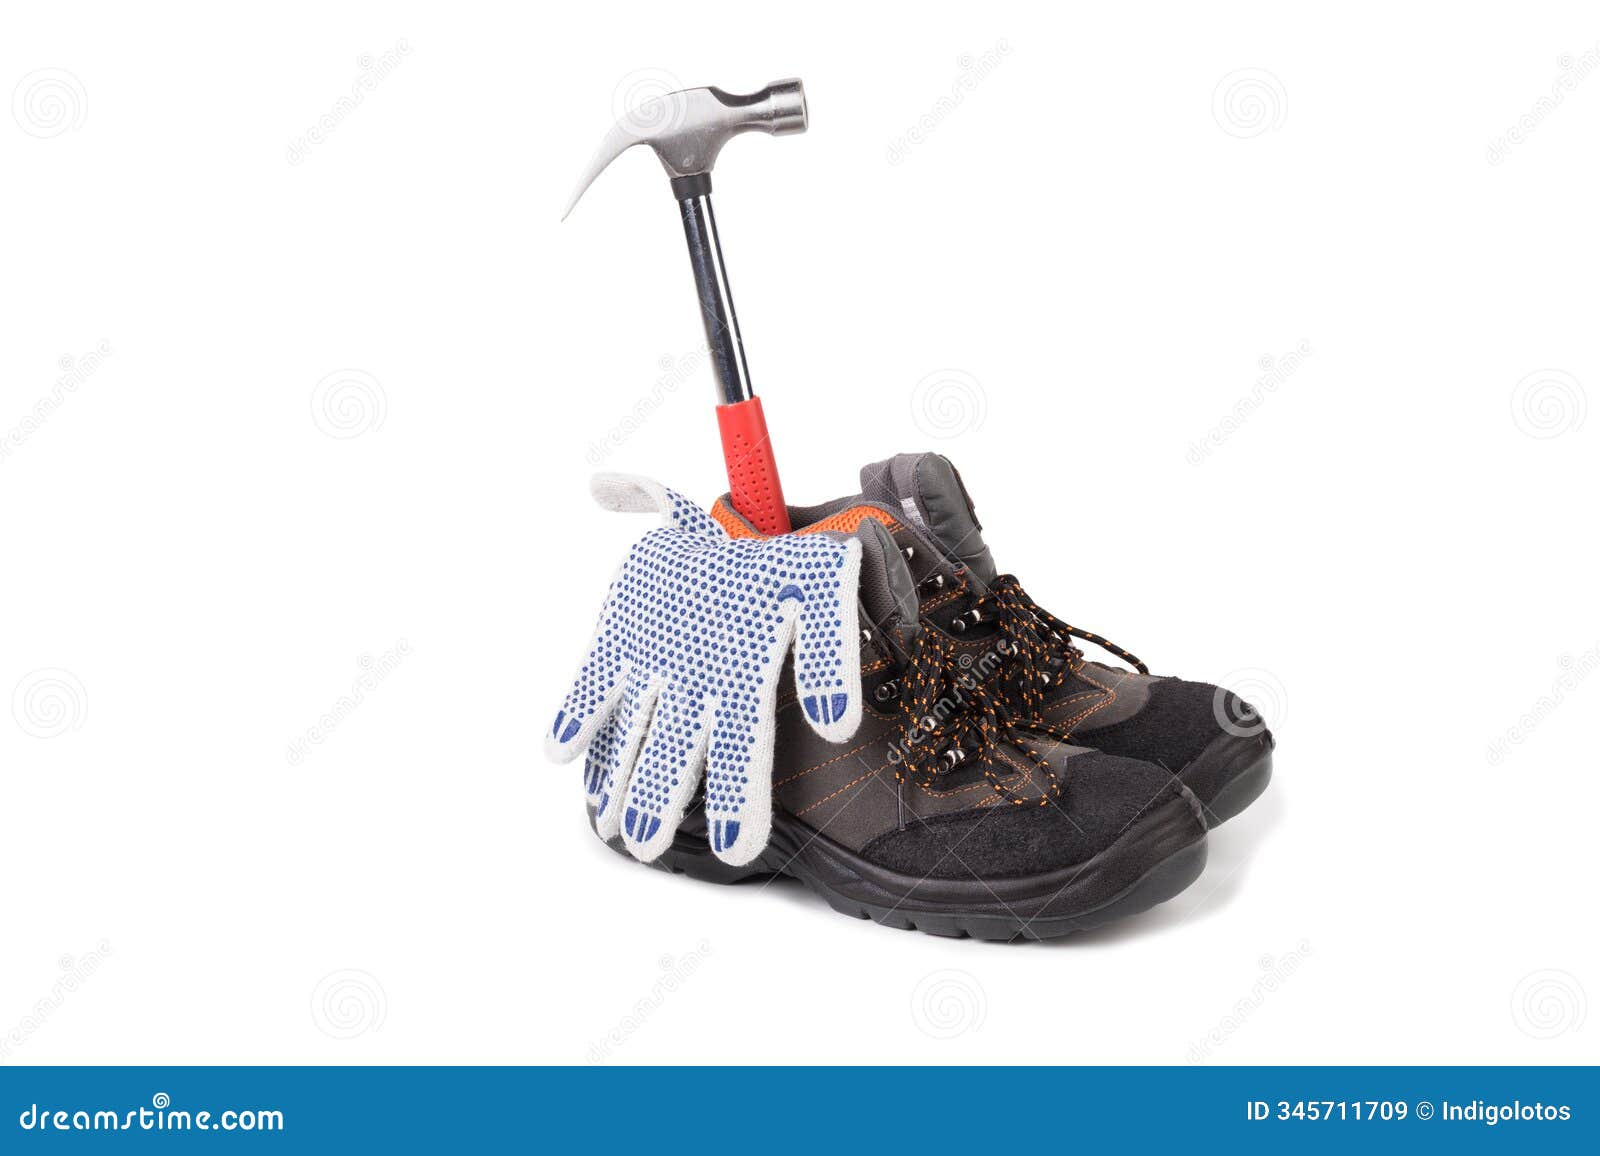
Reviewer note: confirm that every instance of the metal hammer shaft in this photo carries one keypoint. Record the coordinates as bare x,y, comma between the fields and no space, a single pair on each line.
723,341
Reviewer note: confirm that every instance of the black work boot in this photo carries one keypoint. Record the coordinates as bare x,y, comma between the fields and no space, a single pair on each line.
942,815
1212,740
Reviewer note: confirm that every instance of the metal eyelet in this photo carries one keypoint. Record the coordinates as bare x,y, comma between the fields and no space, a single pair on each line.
886,690
966,619
954,755
866,636
931,584
910,552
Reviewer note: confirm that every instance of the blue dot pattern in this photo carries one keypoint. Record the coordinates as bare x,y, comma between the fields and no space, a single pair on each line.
682,674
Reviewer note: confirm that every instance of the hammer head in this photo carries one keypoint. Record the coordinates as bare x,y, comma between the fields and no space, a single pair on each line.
688,128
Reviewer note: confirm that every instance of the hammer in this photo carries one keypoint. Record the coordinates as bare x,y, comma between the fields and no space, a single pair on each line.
687,130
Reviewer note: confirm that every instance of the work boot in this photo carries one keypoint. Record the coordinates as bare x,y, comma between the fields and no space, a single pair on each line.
942,814
1214,742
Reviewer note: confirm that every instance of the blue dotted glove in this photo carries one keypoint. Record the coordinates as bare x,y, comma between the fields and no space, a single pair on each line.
682,675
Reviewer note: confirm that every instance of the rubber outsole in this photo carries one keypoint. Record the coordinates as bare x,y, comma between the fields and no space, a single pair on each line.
1237,786
1160,854
1240,791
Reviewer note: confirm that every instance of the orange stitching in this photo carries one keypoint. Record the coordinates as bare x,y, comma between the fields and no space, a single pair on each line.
819,766
1111,697
842,790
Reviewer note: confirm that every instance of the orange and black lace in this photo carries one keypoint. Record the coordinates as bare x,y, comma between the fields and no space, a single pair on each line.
948,716
1037,644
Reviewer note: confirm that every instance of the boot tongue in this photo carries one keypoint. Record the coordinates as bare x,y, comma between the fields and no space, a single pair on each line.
927,489
888,592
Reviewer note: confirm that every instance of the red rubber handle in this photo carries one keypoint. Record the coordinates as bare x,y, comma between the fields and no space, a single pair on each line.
752,472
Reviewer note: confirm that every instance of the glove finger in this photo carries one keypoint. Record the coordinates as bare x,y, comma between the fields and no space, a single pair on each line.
632,719
629,493
739,761
594,692
738,787
666,774
827,652
601,759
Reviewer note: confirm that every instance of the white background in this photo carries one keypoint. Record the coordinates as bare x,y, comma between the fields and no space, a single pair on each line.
1098,235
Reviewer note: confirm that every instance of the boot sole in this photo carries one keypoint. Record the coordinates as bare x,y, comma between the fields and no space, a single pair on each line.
1170,838
1241,785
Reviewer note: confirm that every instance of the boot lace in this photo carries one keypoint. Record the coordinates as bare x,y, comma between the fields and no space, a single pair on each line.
948,716
1037,645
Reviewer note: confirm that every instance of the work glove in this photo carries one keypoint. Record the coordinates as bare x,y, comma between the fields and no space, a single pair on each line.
682,675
